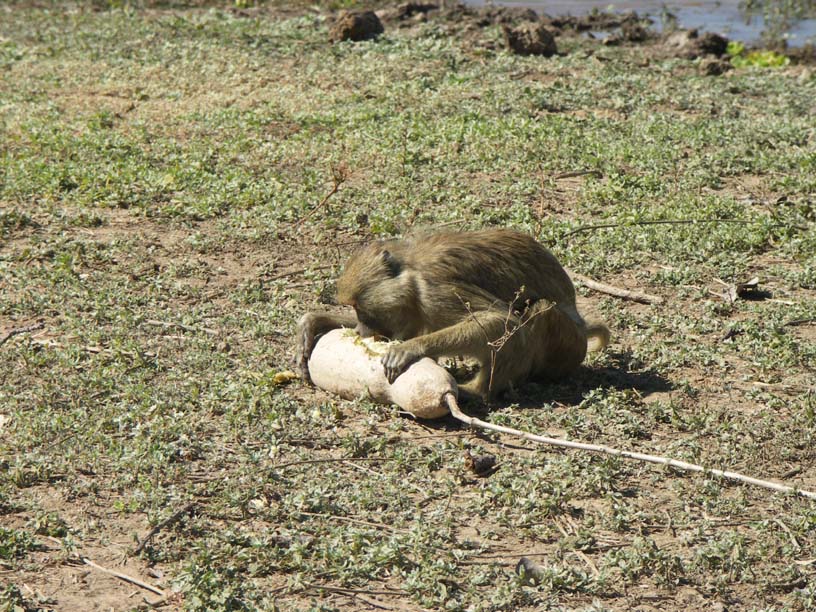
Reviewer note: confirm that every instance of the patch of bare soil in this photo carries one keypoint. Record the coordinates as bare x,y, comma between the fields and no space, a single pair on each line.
158,245
77,580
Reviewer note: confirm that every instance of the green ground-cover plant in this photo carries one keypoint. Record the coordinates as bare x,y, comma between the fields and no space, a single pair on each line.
168,210
761,58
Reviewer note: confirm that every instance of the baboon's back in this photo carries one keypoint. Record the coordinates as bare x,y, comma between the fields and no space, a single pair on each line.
499,262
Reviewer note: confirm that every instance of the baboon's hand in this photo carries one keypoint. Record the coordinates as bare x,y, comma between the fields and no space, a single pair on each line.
398,358
305,344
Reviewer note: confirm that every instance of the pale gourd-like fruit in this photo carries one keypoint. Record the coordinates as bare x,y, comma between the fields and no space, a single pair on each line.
344,363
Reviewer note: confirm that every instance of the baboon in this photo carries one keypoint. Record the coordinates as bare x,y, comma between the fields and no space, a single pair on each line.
496,296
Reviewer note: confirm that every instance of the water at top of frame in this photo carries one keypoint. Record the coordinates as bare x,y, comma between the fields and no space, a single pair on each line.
723,17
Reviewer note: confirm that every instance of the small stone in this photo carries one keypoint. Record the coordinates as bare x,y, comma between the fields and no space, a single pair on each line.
712,44
356,25
712,66
690,44
633,31
481,465
530,39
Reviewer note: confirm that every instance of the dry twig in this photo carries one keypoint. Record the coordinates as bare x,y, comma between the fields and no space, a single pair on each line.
152,605
626,294
165,523
339,175
181,326
47,342
125,577
348,519
344,590
787,530
20,330
280,466
298,271
797,322
576,173
453,406
587,228
509,328
372,602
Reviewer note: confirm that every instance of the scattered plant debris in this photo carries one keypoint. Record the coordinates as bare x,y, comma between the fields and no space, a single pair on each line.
691,44
748,290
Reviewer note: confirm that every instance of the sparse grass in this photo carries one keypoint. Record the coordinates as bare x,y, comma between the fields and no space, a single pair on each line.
14,543
157,169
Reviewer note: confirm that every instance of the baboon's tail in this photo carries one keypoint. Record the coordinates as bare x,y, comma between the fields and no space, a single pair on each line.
598,336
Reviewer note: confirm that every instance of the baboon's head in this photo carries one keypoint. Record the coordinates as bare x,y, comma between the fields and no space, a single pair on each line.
376,285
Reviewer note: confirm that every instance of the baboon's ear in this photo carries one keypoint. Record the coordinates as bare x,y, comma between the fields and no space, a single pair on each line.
391,263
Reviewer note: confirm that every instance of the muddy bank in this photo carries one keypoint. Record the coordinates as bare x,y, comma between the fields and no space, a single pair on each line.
528,32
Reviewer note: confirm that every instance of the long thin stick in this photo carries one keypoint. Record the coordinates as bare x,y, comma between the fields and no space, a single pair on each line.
152,605
325,460
298,271
334,589
165,523
20,330
181,326
566,175
124,577
339,177
453,406
372,602
796,322
626,294
586,228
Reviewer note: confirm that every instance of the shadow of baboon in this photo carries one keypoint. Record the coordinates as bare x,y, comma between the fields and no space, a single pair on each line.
622,372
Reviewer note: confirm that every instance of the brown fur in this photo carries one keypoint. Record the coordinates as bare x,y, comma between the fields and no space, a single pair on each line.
496,295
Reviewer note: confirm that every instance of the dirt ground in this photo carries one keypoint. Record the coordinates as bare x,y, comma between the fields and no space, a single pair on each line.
152,460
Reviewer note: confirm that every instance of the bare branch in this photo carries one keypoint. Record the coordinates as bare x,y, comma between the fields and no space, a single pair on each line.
298,271
165,523
576,173
340,174
587,228
626,294
497,344
21,330
125,577
181,326
453,406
